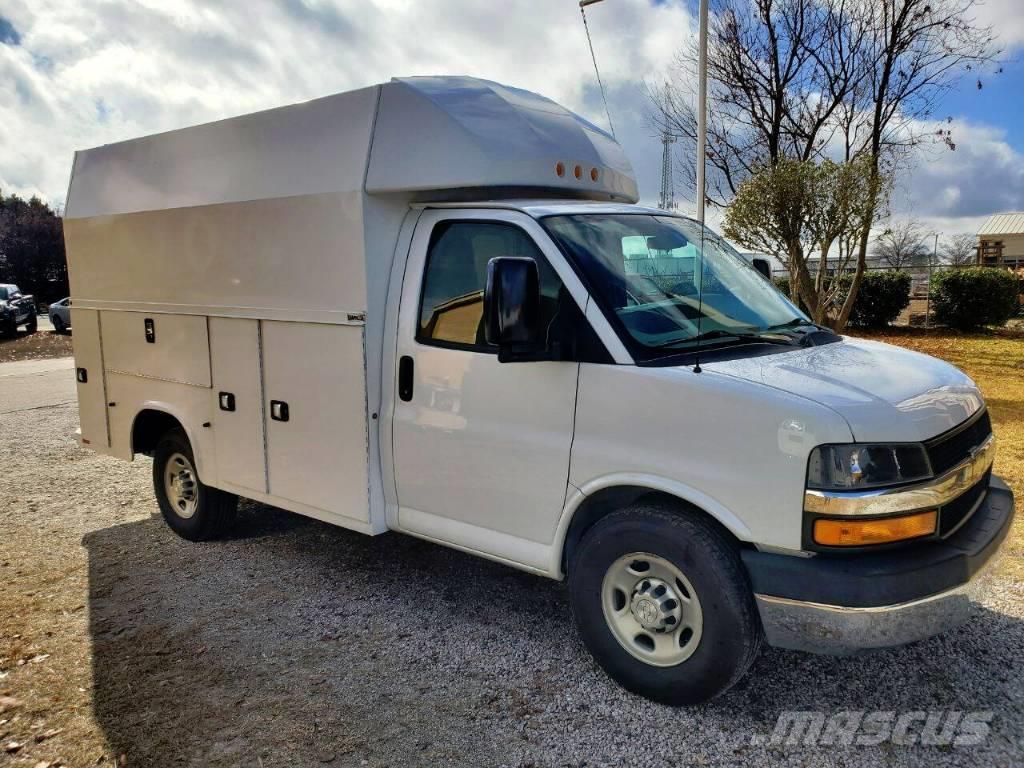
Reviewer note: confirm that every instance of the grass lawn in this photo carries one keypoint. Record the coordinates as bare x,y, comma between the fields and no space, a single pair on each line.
995,360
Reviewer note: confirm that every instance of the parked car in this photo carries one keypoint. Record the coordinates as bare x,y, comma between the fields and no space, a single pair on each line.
60,315
16,309
432,306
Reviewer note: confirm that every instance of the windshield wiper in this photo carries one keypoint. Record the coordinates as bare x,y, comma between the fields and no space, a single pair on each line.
742,335
796,322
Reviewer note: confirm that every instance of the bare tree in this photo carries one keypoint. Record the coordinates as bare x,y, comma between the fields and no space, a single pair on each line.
800,79
960,250
913,56
777,72
902,245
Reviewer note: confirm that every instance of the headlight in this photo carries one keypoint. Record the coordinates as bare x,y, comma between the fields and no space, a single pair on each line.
855,466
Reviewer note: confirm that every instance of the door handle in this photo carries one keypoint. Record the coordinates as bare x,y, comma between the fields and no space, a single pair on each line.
405,370
278,410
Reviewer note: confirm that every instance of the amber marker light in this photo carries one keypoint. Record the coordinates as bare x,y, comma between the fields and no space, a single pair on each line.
577,172
593,174
560,169
862,533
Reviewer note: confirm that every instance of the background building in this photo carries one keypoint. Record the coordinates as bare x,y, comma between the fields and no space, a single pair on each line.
1001,241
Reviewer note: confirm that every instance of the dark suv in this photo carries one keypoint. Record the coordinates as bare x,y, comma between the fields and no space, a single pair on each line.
16,309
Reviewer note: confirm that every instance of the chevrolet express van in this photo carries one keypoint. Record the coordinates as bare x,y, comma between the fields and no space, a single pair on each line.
432,306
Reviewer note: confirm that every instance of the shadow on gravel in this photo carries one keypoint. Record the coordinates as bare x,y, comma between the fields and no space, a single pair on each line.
295,643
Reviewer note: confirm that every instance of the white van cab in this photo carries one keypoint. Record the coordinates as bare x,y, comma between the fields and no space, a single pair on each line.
431,306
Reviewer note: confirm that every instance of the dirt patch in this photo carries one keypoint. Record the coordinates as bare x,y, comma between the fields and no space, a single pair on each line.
41,345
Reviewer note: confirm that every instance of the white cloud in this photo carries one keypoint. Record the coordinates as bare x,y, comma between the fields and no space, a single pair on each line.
1005,18
95,72
955,191
99,71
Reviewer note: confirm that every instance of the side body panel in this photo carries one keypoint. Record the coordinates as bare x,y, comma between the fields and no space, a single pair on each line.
189,404
92,394
238,431
318,455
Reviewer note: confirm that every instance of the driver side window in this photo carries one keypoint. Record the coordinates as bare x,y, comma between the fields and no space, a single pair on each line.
452,299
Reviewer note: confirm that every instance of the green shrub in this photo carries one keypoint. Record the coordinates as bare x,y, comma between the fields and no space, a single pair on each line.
880,298
782,283
974,296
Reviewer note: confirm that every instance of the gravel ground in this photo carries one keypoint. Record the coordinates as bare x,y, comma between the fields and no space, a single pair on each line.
293,643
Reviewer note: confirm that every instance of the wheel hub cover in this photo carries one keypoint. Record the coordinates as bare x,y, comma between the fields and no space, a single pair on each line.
655,605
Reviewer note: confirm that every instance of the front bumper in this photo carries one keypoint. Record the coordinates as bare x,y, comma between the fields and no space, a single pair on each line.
846,604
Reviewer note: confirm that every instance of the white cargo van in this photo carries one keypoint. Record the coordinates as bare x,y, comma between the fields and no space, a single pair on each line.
431,306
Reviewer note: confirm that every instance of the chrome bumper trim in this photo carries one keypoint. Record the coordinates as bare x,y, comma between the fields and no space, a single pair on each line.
841,631
886,501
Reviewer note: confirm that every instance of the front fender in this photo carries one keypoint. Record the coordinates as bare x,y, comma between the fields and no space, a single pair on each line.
665,485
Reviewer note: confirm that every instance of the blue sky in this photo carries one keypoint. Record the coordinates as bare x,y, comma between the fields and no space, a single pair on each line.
79,74
1000,101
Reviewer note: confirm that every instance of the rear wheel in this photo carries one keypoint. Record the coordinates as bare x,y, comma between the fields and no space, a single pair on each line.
32,325
58,324
193,510
664,605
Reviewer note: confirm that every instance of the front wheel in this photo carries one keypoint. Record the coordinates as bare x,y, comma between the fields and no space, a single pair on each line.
32,325
664,605
58,324
193,510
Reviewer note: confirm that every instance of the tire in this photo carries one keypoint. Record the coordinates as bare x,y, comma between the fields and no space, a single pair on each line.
58,324
193,510
716,633
32,325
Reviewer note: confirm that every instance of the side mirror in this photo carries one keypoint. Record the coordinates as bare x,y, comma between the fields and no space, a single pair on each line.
512,305
764,267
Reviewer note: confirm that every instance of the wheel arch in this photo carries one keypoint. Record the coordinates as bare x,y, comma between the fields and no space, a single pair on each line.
602,496
152,420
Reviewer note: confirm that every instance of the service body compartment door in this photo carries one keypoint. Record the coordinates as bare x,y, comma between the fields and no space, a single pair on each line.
157,346
238,414
315,403
92,395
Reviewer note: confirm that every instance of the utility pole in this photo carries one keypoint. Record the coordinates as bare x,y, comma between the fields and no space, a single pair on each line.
702,108
667,202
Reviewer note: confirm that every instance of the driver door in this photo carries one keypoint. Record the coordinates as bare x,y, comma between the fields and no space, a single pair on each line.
481,448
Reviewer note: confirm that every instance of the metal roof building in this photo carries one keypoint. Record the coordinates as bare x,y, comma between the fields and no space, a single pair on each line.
1001,241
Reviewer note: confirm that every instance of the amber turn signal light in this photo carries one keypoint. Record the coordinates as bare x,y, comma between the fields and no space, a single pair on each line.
861,533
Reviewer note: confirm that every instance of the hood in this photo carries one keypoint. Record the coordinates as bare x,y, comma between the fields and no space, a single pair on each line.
884,392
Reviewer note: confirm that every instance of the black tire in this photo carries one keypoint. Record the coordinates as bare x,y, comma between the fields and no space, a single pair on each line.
32,325
214,510
731,633
58,324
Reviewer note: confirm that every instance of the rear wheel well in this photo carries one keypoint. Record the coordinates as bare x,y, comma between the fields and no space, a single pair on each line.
150,425
609,500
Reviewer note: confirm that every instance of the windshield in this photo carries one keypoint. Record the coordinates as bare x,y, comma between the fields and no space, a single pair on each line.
7,291
648,271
